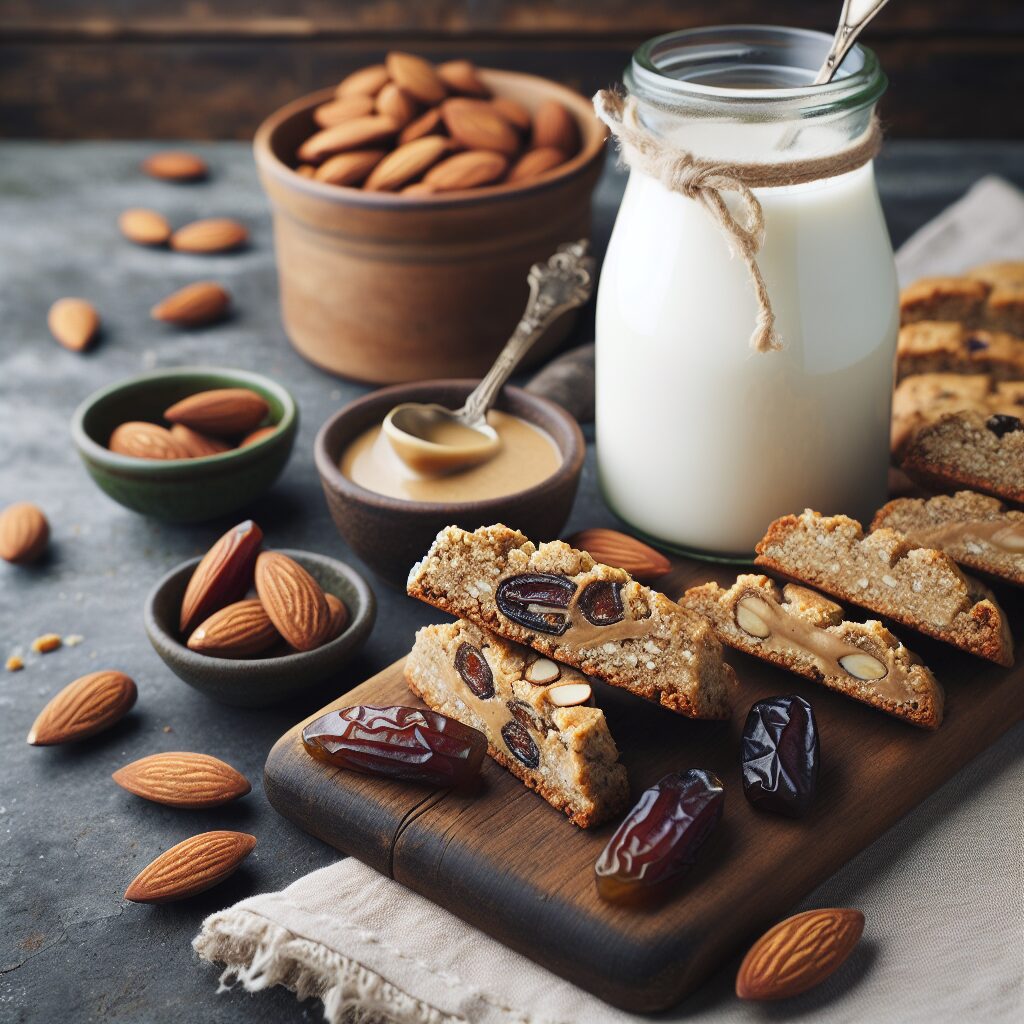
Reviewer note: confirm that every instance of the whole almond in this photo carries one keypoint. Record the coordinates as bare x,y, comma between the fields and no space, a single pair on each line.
180,779
553,125
398,105
191,867
407,162
144,227
306,171
366,81
349,168
256,436
221,411
461,76
83,708
175,166
535,163
514,112
358,133
343,109
798,953
142,440
418,188
610,547
466,170
237,631
426,124
339,617
223,575
415,76
198,445
477,125
194,305
214,234
293,600
24,533
74,323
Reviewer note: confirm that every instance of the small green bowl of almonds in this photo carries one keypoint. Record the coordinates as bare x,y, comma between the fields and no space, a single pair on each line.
189,444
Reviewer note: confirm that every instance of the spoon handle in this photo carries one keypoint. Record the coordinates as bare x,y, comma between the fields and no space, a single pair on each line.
856,14
563,283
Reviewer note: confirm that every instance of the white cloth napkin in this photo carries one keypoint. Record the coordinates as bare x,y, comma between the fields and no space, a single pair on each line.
942,892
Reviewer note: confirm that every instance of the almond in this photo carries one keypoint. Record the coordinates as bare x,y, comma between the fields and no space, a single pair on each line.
554,126
198,445
416,77
358,133
426,124
365,82
514,112
477,125
256,436
339,617
24,533
568,695
610,547
83,708
142,440
343,109
237,631
181,779
349,168
306,171
461,76
407,162
222,576
194,305
191,867
74,323
293,600
222,411
214,234
144,227
535,163
798,953
466,170
393,103
176,166
418,188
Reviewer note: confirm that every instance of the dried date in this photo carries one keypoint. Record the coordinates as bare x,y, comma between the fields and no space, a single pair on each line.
476,673
398,743
780,753
519,741
537,600
601,603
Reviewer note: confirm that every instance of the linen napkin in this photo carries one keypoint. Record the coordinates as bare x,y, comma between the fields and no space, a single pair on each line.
942,892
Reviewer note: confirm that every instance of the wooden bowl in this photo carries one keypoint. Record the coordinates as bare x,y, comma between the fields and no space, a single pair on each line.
384,288
391,534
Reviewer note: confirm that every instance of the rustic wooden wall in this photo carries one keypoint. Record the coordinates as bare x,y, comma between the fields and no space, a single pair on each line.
213,68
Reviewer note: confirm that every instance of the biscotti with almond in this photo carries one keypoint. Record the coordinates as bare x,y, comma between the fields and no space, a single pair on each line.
940,346
568,607
804,632
990,296
538,716
887,574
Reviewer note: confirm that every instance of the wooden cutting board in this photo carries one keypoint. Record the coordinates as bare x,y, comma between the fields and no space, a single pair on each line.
514,867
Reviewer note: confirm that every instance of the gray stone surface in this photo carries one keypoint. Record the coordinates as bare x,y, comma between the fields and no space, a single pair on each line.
70,840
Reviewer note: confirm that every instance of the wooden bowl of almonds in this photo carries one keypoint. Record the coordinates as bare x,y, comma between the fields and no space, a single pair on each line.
410,202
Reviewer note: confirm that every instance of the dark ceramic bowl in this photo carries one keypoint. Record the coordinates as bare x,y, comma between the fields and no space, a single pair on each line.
184,490
390,534
257,682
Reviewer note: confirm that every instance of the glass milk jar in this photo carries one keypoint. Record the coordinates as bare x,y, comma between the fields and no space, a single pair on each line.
702,441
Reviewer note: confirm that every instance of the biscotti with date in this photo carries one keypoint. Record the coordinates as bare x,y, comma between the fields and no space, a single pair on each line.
539,717
568,607
942,346
804,632
887,574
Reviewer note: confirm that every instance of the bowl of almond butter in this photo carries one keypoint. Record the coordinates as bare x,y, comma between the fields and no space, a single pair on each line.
409,203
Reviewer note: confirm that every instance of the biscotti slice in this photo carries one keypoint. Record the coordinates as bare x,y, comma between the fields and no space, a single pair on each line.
944,298
975,530
887,574
1004,307
934,346
924,397
538,717
568,607
802,631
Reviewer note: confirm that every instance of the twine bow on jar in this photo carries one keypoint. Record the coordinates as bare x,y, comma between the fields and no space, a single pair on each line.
707,181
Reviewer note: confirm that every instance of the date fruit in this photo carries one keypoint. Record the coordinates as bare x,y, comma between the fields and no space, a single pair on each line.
601,603
661,837
519,741
398,743
475,672
537,600
780,755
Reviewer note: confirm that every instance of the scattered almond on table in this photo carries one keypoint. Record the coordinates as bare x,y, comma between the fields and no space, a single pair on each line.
191,867
195,305
610,547
211,235
181,779
175,166
74,323
24,533
144,227
84,708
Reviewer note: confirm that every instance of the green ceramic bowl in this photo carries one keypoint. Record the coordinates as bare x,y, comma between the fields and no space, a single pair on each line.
186,490
257,682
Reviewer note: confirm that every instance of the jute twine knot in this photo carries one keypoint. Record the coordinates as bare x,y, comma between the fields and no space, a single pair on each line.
707,181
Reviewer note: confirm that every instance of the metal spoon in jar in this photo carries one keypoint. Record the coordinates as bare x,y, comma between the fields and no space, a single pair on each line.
431,439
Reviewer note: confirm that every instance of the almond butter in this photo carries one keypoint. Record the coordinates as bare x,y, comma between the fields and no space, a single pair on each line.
798,953
194,305
221,411
198,445
293,600
514,112
141,440
214,234
554,126
415,76
83,708
407,162
144,227
535,163
365,82
339,617
180,779
398,105
426,124
24,533
466,170
349,168
74,323
223,574
191,867
175,166
343,109
610,547
358,133
461,76
236,631
477,125
256,436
